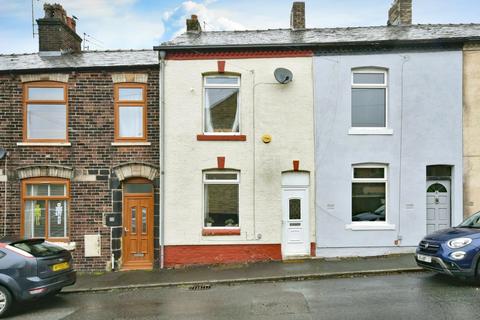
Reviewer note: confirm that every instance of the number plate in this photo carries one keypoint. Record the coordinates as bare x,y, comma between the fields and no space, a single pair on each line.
424,258
60,266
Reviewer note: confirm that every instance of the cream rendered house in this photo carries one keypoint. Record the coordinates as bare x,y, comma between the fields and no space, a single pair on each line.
238,146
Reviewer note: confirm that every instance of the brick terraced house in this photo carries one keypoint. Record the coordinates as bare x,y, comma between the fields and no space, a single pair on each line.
80,131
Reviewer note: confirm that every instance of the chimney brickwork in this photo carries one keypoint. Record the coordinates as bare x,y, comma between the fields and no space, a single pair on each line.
193,25
400,14
297,16
56,31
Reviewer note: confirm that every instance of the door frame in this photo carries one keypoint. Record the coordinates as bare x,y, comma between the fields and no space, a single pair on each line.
147,265
449,190
296,181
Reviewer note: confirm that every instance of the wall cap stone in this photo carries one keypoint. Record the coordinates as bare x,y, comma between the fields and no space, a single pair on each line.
130,77
60,77
135,170
44,171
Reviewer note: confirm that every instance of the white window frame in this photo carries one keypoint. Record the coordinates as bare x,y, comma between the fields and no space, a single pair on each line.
370,130
206,181
221,86
371,225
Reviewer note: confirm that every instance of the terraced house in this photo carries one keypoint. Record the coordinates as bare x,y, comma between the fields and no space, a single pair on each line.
81,134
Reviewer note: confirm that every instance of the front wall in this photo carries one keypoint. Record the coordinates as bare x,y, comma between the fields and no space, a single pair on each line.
431,134
95,189
471,128
283,111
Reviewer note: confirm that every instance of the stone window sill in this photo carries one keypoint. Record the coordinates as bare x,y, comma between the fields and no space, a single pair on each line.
70,246
221,137
370,131
221,232
130,144
44,144
367,226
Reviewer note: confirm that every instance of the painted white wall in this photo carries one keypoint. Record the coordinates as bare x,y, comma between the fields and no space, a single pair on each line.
428,86
283,111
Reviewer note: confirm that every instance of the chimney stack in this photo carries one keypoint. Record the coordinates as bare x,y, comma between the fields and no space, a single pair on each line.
56,31
193,26
400,14
297,16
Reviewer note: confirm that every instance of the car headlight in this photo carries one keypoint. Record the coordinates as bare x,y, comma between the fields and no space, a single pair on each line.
459,243
457,255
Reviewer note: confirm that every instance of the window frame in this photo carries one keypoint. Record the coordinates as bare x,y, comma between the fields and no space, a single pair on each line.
130,103
370,180
370,130
27,101
205,182
221,86
25,197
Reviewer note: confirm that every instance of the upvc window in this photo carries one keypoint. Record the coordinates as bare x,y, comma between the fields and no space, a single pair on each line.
45,208
369,193
221,199
369,98
130,112
221,105
45,113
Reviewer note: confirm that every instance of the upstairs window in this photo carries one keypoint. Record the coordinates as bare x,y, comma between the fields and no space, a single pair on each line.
221,100
130,112
369,98
45,113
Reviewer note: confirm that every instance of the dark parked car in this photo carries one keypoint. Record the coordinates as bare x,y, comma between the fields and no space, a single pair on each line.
32,268
454,251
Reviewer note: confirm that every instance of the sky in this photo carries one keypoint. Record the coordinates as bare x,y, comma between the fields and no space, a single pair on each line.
141,24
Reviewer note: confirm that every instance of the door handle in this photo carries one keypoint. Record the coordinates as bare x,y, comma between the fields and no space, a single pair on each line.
125,230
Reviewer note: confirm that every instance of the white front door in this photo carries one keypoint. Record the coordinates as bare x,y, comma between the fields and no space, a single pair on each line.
438,205
295,240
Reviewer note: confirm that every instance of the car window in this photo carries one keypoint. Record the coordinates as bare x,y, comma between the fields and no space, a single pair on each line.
38,249
472,221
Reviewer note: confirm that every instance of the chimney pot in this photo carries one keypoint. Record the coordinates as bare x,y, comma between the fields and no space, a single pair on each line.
400,13
297,15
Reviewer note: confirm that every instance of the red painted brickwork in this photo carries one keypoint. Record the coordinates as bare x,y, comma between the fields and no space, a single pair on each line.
91,132
189,55
220,254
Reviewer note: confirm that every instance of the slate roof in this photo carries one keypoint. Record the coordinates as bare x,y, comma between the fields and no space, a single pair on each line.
86,59
323,36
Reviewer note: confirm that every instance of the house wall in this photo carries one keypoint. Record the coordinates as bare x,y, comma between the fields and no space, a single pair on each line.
425,114
95,189
471,127
266,107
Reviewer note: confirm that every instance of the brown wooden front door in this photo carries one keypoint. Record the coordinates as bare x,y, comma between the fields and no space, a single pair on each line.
137,232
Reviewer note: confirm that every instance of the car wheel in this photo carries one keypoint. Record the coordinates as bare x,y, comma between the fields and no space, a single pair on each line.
5,301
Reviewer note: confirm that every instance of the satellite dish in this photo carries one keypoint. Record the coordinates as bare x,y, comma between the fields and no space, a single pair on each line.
3,152
283,75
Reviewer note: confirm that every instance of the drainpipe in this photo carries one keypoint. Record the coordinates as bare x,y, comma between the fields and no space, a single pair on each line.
161,57
6,193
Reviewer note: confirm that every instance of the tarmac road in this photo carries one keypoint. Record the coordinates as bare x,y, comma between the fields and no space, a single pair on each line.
403,296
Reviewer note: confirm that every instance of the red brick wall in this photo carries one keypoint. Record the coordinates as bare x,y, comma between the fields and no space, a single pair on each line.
90,131
220,254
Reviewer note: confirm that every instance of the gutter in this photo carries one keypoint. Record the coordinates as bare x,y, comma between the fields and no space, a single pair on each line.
161,57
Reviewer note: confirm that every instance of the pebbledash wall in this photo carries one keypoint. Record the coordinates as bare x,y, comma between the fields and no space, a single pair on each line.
283,111
89,161
471,127
425,118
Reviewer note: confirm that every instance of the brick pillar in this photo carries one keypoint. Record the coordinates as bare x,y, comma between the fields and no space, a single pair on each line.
297,16
400,14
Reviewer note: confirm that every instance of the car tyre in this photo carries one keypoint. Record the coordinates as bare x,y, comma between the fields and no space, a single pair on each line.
6,300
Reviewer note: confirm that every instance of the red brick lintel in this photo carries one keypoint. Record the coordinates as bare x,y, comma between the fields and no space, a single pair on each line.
239,54
207,137
220,232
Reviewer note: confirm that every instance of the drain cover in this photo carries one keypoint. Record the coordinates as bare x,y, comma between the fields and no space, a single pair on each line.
199,287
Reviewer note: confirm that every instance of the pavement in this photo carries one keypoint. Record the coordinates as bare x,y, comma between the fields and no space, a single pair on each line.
243,273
